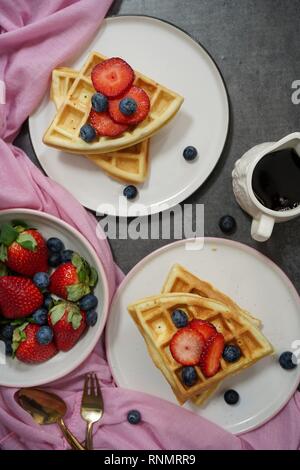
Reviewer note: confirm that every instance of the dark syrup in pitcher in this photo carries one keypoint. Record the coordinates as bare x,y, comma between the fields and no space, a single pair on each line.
276,180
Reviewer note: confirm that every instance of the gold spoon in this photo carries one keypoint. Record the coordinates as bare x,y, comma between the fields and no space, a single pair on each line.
46,408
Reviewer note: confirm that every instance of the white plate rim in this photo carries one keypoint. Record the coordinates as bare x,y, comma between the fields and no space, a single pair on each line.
182,195
88,246
216,240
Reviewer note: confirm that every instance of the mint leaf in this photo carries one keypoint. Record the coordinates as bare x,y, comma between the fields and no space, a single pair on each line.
27,241
8,234
93,277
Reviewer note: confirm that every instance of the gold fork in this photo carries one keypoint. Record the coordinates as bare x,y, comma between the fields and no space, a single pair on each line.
91,406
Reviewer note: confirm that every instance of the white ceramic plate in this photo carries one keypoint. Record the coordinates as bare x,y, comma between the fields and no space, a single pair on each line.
17,374
173,58
257,284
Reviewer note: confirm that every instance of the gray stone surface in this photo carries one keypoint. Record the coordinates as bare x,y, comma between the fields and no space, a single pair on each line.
255,44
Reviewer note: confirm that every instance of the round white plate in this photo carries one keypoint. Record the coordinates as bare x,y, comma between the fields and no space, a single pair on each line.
170,56
14,373
251,279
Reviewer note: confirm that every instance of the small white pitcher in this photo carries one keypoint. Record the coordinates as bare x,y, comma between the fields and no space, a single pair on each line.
263,218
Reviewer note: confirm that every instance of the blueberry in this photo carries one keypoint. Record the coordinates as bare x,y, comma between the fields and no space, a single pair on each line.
231,353
99,102
127,106
134,416
179,318
190,153
55,245
288,360
66,256
54,260
7,332
130,191
8,348
44,335
40,316
231,397
48,301
41,280
87,133
227,224
91,318
189,375
88,302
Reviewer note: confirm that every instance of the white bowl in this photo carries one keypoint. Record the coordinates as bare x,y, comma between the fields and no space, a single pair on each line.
17,374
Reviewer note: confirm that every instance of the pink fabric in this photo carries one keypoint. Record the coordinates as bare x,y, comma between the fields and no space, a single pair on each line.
36,37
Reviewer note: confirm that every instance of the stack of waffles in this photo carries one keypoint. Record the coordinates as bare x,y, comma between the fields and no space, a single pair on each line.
125,157
200,301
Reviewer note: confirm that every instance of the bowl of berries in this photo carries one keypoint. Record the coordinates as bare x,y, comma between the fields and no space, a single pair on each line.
53,298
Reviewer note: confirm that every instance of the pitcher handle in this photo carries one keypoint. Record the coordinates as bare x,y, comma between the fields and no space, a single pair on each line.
262,227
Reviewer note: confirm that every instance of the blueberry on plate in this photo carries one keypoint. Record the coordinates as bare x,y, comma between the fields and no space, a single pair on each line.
40,316
127,106
130,191
8,348
189,376
231,397
91,318
87,133
227,224
231,353
134,417
88,302
55,245
288,360
179,318
7,332
66,256
48,301
44,335
190,153
54,260
41,280
99,102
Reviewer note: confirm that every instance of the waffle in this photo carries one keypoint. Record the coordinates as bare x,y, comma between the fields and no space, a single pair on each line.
152,316
130,165
63,132
181,280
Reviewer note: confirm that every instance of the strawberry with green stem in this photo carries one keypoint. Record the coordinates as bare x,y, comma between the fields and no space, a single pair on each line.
26,347
23,249
68,323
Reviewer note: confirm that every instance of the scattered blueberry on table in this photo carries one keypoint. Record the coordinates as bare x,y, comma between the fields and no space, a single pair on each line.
130,192
88,302
66,256
231,397
41,280
288,360
189,375
55,245
134,416
190,153
227,224
179,318
54,260
231,353
87,133
127,106
91,317
40,316
99,102
44,335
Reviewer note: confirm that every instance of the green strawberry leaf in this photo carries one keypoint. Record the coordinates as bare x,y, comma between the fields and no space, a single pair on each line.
76,291
57,312
3,269
3,252
74,316
19,225
77,261
19,335
93,277
8,234
27,241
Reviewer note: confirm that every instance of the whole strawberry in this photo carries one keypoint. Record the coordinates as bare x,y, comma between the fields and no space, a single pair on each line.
19,297
26,345
68,323
23,249
73,280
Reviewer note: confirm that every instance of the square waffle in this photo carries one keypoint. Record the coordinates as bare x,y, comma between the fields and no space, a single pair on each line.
63,132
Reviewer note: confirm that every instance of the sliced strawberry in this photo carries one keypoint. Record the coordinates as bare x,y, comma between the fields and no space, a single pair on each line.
143,106
104,125
211,355
186,346
112,77
204,327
